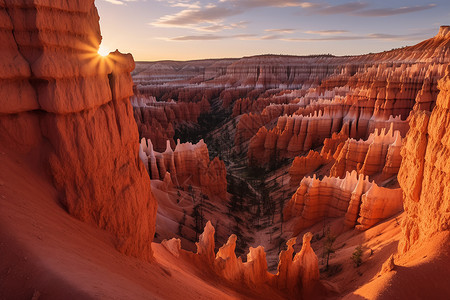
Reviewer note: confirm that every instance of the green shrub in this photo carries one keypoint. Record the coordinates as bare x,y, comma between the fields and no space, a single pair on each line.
357,256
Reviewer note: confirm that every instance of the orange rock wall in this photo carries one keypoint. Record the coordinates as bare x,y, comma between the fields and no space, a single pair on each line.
424,173
72,107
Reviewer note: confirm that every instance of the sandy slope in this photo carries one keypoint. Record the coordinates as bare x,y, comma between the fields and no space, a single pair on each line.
45,252
423,273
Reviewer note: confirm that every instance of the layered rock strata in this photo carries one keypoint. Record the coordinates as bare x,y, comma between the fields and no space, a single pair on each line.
303,165
66,104
354,197
424,173
292,136
379,154
187,165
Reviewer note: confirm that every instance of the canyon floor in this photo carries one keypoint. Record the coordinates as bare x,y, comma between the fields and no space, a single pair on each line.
47,254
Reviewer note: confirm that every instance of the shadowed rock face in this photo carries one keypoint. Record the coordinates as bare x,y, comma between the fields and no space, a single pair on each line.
157,121
424,173
70,106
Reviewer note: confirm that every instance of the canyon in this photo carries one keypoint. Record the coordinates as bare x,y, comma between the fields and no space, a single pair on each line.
250,178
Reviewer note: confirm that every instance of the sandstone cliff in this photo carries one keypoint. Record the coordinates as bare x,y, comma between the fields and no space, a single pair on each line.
64,104
424,172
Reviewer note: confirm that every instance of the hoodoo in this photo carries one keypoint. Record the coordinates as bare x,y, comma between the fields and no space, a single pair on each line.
262,177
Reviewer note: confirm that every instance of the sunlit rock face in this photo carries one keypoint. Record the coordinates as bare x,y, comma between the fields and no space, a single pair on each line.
364,92
380,153
71,107
297,274
188,164
363,203
424,173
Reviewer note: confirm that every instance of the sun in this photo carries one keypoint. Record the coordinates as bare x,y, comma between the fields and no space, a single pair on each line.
103,51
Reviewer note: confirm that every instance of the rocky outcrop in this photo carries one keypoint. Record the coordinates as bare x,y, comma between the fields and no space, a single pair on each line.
297,275
187,165
312,103
354,197
379,154
247,127
293,135
424,173
247,105
64,103
157,120
303,165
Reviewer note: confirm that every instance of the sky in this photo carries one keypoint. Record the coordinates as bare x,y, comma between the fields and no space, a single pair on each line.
197,29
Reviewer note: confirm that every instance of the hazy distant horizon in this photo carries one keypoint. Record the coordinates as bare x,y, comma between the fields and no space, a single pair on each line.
182,30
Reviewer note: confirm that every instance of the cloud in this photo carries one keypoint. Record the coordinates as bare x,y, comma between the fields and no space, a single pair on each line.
119,2
327,32
212,17
211,37
190,17
264,3
384,12
338,9
333,38
281,30
325,35
221,27
371,36
186,5
272,37
360,9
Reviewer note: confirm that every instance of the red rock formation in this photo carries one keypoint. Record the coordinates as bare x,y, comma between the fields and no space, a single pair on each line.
247,127
377,89
247,105
354,197
296,275
424,173
332,145
292,136
380,153
377,205
303,165
157,120
187,165
84,129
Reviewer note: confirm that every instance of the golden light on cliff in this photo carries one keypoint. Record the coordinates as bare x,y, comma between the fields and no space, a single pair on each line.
103,51
95,57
